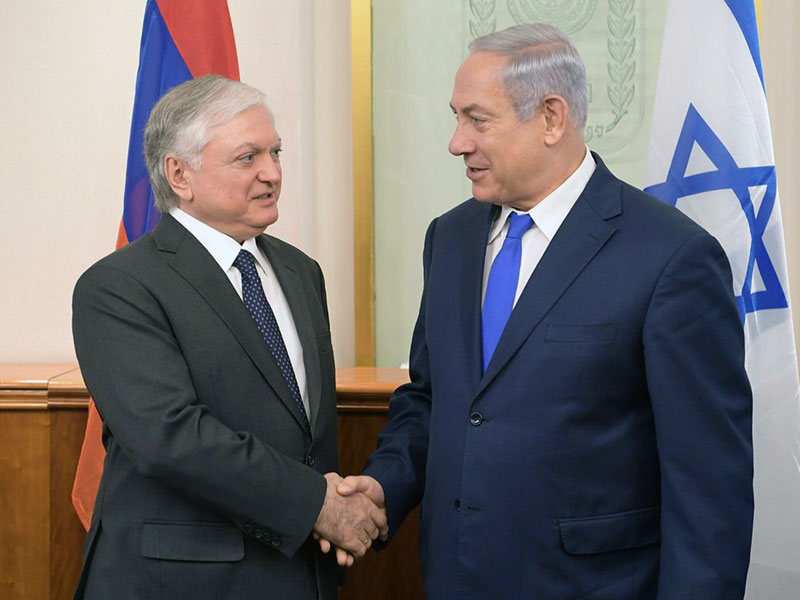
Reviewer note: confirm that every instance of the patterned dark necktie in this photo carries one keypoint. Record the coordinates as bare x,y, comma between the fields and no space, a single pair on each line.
260,310
501,287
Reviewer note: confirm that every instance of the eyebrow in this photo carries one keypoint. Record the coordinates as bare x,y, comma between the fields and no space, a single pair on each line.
254,146
469,109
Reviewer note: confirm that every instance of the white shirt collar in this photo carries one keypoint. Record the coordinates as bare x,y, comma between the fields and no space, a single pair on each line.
549,214
223,248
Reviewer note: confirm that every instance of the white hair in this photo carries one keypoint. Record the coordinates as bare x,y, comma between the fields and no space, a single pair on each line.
179,124
543,61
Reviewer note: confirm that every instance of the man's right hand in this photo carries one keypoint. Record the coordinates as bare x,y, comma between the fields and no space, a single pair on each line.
350,521
366,485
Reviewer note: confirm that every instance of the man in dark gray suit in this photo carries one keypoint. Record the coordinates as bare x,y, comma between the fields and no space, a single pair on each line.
206,347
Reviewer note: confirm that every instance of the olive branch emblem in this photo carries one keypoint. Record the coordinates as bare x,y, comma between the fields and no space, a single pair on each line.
622,66
572,16
568,15
482,10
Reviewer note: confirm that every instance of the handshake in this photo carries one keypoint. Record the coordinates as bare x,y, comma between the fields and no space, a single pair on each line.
352,516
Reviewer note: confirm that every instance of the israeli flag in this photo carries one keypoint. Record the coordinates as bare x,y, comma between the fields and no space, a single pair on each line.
711,156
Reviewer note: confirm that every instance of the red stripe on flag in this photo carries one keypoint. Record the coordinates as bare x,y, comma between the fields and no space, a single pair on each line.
203,37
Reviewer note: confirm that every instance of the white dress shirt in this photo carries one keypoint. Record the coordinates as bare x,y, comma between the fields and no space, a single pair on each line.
224,249
547,215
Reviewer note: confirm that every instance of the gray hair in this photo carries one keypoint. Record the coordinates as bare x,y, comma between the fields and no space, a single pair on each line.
543,61
179,124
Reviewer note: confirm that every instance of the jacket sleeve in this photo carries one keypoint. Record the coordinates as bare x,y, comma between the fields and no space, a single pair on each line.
702,406
399,461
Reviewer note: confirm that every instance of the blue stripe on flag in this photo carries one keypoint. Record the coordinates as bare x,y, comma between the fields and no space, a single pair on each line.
744,11
161,68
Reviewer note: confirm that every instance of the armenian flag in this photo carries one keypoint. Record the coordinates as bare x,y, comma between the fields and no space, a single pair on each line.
180,40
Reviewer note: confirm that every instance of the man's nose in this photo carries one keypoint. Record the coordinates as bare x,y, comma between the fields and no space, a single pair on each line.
460,143
270,170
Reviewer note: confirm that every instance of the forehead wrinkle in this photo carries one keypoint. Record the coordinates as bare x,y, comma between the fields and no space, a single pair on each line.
251,145
246,146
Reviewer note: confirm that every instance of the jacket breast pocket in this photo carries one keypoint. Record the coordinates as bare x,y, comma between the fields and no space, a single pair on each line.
576,334
605,533
198,542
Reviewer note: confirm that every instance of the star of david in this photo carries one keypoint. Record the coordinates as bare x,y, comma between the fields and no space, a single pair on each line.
728,175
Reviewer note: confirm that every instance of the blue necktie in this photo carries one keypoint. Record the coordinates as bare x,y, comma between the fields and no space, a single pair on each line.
501,286
260,310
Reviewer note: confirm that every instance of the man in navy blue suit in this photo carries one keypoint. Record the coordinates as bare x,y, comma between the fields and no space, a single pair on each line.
578,421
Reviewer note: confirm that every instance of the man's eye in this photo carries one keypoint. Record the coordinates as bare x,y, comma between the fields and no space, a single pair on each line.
276,153
247,157
477,120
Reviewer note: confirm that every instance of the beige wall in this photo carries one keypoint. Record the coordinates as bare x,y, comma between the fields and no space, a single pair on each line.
779,53
68,72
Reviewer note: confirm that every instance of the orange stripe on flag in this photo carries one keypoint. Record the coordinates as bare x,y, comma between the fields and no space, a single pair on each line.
90,468
122,236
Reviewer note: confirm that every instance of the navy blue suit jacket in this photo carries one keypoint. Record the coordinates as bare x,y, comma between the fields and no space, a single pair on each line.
605,454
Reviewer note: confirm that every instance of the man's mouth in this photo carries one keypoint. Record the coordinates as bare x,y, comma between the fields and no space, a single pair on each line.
266,196
474,173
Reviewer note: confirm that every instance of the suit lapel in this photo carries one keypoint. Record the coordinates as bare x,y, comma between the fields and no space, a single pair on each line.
581,236
473,255
192,262
296,296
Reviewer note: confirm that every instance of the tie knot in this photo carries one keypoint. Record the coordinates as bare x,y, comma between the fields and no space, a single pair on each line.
518,225
245,263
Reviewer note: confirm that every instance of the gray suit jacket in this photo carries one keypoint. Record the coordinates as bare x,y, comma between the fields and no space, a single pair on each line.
212,483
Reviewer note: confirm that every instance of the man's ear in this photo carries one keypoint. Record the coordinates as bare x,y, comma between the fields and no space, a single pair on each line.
555,111
178,177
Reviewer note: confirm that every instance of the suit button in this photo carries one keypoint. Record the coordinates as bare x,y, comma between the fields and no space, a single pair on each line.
248,528
475,419
310,460
276,542
258,534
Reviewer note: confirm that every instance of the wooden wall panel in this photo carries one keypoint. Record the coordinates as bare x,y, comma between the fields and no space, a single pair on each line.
24,503
66,532
67,401
393,573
